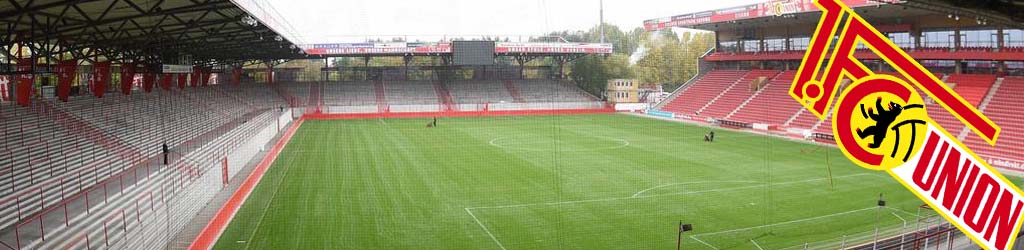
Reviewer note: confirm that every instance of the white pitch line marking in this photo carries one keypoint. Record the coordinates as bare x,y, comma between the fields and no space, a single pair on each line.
481,224
687,183
622,144
272,196
660,195
904,212
702,242
756,245
898,216
787,222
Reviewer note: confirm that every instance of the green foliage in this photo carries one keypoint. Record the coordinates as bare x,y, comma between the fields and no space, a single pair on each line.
592,73
663,57
671,60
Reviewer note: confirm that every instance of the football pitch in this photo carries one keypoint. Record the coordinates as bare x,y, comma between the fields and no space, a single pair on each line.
558,182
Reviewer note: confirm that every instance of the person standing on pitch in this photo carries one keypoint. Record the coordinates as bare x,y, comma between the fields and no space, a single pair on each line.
166,151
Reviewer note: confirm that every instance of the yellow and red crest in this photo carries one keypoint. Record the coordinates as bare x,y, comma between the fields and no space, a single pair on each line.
880,123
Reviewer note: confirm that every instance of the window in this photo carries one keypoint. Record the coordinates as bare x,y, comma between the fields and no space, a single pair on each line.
902,39
775,44
937,39
978,38
799,43
751,46
729,47
1013,38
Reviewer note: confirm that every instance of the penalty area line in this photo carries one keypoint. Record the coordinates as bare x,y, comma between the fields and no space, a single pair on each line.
761,185
787,222
694,237
488,231
702,242
687,183
756,245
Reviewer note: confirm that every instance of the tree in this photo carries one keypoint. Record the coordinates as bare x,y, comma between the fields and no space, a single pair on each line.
593,72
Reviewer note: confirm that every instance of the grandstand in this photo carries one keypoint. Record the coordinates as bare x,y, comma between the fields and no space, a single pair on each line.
984,59
180,124
979,60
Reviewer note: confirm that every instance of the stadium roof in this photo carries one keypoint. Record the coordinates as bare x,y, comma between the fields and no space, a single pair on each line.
795,13
156,31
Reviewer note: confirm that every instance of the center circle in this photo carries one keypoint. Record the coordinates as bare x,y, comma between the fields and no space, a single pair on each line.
573,143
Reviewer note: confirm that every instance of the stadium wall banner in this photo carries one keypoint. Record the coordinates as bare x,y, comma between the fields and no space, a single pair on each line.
1007,164
4,89
173,68
434,48
23,83
659,113
880,123
65,75
127,78
100,78
585,48
147,82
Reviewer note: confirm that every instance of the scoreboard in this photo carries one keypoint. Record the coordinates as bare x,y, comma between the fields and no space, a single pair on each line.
472,53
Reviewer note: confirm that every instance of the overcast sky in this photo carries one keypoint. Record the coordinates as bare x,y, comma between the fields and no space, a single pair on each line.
353,20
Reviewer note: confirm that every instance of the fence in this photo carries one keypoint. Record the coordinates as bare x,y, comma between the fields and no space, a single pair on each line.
135,195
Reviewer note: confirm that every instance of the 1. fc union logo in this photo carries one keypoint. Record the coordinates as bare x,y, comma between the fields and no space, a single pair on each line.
879,122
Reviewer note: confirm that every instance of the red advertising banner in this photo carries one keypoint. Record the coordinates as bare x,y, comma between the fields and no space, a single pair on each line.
147,82
65,76
5,88
438,48
166,81
765,9
553,48
182,80
101,77
127,78
23,87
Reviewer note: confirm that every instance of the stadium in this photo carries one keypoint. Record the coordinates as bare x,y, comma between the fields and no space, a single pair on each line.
213,124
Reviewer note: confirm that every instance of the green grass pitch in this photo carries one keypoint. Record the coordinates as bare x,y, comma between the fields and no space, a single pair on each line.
556,182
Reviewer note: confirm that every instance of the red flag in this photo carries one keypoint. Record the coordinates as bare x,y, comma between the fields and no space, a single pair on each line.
165,81
207,72
236,76
65,76
4,88
23,87
101,76
147,82
197,73
182,80
127,78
